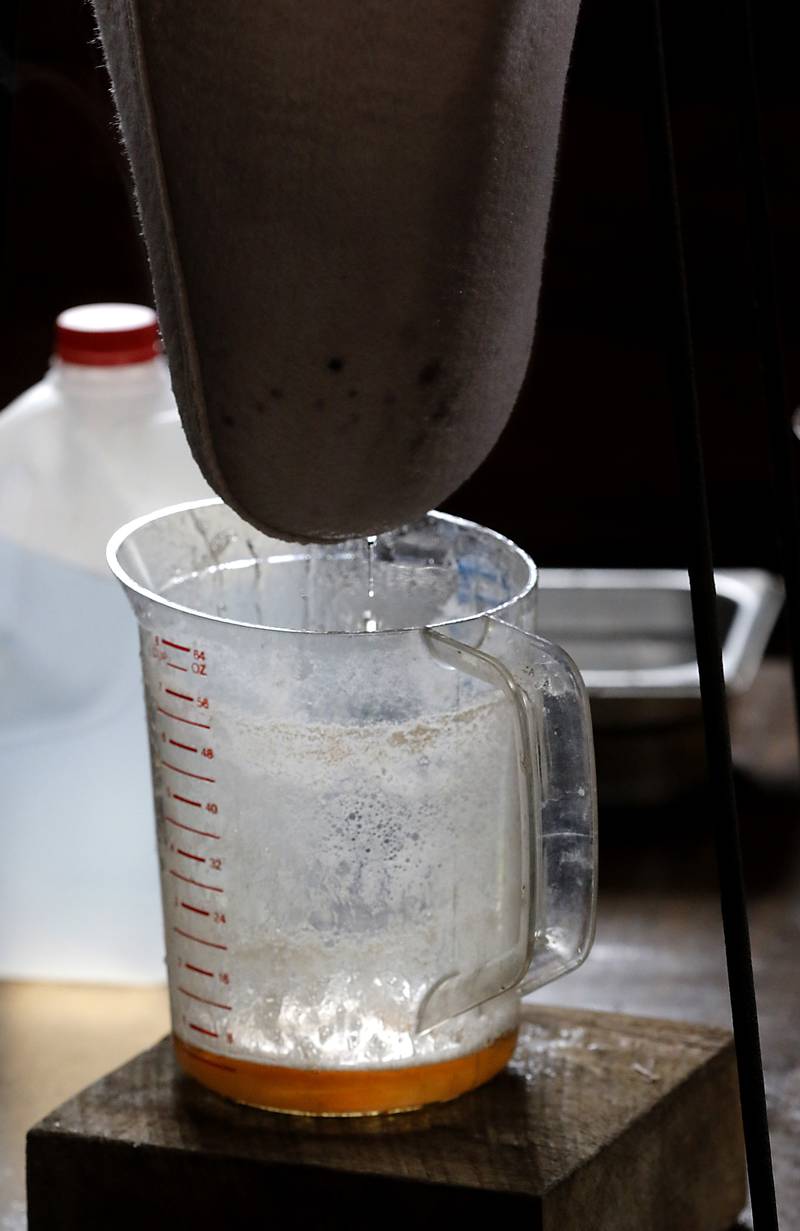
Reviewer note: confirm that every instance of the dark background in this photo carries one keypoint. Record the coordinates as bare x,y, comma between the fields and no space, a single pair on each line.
585,472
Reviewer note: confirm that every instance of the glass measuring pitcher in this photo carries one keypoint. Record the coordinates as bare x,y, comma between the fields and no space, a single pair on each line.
375,804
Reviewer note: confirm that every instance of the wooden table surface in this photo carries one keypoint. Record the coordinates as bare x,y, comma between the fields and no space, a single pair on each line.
658,952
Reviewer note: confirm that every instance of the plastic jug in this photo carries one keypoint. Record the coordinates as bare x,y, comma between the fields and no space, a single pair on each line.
375,804
97,441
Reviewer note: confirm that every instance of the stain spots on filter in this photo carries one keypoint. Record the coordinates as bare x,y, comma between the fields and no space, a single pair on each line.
430,373
425,379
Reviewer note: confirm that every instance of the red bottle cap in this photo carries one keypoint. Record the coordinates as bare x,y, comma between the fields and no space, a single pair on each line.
104,334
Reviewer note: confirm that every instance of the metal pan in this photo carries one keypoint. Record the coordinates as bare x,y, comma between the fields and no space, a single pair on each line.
630,633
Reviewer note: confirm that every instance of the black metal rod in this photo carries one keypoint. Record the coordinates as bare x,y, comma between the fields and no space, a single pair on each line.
722,797
767,320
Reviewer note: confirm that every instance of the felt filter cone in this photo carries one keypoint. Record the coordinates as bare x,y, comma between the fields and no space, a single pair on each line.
345,205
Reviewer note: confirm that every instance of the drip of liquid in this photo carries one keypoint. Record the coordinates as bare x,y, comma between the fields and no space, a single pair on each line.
368,622
342,1092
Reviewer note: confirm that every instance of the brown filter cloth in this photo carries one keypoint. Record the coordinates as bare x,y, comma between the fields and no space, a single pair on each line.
345,205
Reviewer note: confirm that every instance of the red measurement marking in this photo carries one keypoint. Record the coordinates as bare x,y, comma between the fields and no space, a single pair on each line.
177,769
198,970
200,885
175,667
217,1004
187,649
196,909
205,725
194,802
184,696
189,855
178,744
204,833
212,944
212,1034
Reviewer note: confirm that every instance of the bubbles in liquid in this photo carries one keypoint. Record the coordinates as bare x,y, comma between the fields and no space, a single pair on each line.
354,891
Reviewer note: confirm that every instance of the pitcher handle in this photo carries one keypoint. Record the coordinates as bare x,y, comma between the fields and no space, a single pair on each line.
557,868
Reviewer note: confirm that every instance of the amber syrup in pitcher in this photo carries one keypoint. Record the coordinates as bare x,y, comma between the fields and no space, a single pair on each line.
342,1092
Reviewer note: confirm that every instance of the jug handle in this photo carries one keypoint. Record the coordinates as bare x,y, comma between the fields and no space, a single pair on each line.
557,821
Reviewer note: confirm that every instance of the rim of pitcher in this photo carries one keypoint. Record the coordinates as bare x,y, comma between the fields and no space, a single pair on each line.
125,531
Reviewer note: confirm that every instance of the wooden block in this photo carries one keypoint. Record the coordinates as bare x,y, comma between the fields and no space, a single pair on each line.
601,1122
